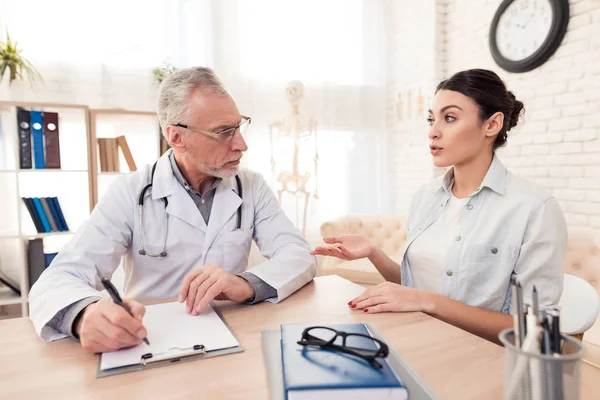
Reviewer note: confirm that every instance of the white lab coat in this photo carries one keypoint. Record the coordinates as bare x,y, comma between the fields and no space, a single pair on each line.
112,232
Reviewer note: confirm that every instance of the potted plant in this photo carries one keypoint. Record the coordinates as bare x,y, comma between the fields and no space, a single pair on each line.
160,73
13,63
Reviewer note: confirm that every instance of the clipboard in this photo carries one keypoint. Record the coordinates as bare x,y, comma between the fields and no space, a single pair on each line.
271,348
173,355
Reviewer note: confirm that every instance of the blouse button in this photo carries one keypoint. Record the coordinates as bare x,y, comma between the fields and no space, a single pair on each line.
494,250
449,273
469,207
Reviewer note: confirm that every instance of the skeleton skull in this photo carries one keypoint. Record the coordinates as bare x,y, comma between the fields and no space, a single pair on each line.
294,92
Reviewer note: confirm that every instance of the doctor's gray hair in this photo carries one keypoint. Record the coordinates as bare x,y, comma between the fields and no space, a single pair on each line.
175,89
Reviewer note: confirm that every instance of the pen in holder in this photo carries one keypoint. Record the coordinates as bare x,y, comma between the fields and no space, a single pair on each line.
531,375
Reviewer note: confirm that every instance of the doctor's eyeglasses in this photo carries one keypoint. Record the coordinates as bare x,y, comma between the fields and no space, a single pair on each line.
356,344
226,134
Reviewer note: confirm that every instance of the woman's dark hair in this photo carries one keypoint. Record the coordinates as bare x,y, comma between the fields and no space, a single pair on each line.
488,91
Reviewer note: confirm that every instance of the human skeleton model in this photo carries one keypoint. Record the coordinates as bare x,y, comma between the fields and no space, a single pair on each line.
300,135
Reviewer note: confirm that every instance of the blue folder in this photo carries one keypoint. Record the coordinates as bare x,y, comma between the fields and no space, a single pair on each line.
37,124
42,214
316,373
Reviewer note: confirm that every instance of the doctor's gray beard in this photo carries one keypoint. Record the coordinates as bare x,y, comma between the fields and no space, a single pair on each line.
219,172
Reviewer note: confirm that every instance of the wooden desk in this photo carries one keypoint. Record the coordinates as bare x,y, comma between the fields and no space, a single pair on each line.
452,362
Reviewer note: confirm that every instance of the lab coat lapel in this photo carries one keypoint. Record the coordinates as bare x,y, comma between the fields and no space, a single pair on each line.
225,205
180,205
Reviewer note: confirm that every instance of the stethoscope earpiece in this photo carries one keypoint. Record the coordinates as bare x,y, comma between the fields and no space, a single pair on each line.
142,252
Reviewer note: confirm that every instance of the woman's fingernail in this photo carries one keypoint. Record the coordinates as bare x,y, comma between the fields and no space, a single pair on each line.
180,298
353,306
349,303
141,334
366,310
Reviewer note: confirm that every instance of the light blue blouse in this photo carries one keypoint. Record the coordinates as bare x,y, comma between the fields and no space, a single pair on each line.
508,226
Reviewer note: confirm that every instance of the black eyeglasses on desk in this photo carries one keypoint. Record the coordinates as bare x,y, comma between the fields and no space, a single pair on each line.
356,344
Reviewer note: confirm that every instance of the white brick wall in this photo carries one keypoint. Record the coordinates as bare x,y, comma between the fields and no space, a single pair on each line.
557,144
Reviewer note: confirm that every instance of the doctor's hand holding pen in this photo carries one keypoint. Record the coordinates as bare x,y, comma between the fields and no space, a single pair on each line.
106,326
210,283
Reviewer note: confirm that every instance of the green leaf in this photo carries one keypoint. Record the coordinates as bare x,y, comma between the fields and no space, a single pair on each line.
17,66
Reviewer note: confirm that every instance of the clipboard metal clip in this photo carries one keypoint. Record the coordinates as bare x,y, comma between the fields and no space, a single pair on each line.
181,354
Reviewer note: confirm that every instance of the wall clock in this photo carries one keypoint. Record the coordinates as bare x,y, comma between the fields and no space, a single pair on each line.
525,33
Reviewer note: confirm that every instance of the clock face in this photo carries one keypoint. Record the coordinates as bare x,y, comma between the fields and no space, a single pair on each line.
523,28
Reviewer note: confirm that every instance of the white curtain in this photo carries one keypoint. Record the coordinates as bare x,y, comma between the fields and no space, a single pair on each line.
336,49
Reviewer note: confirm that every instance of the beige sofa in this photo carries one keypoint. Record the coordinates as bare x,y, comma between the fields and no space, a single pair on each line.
387,232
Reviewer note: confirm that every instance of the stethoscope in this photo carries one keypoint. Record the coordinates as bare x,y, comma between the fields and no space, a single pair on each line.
163,252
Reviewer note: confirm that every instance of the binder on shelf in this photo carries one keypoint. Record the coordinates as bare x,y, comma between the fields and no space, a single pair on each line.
51,135
42,214
122,141
48,258
23,122
55,214
39,227
38,139
49,215
60,214
36,263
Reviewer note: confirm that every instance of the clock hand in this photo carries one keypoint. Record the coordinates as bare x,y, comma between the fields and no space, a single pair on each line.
528,20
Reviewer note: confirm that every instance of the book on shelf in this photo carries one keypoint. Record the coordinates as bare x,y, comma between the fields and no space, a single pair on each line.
38,133
108,149
46,214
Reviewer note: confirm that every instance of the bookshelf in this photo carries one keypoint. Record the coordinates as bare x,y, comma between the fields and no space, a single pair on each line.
79,183
73,184
141,132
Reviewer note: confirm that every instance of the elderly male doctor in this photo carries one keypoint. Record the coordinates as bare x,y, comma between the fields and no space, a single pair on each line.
188,235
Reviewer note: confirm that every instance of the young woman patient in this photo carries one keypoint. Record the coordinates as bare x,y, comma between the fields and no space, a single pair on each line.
470,231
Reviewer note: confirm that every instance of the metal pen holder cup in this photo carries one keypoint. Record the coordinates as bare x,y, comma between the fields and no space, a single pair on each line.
529,376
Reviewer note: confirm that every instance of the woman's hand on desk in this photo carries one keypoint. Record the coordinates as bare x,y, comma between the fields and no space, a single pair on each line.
391,297
106,326
346,247
211,282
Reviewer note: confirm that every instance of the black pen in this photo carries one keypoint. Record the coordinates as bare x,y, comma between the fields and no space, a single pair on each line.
536,306
556,345
521,313
515,304
112,290
546,348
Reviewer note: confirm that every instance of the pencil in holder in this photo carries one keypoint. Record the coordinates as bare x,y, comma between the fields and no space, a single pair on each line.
537,376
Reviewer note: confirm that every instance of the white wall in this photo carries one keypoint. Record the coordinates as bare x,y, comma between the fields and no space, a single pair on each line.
414,60
557,144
